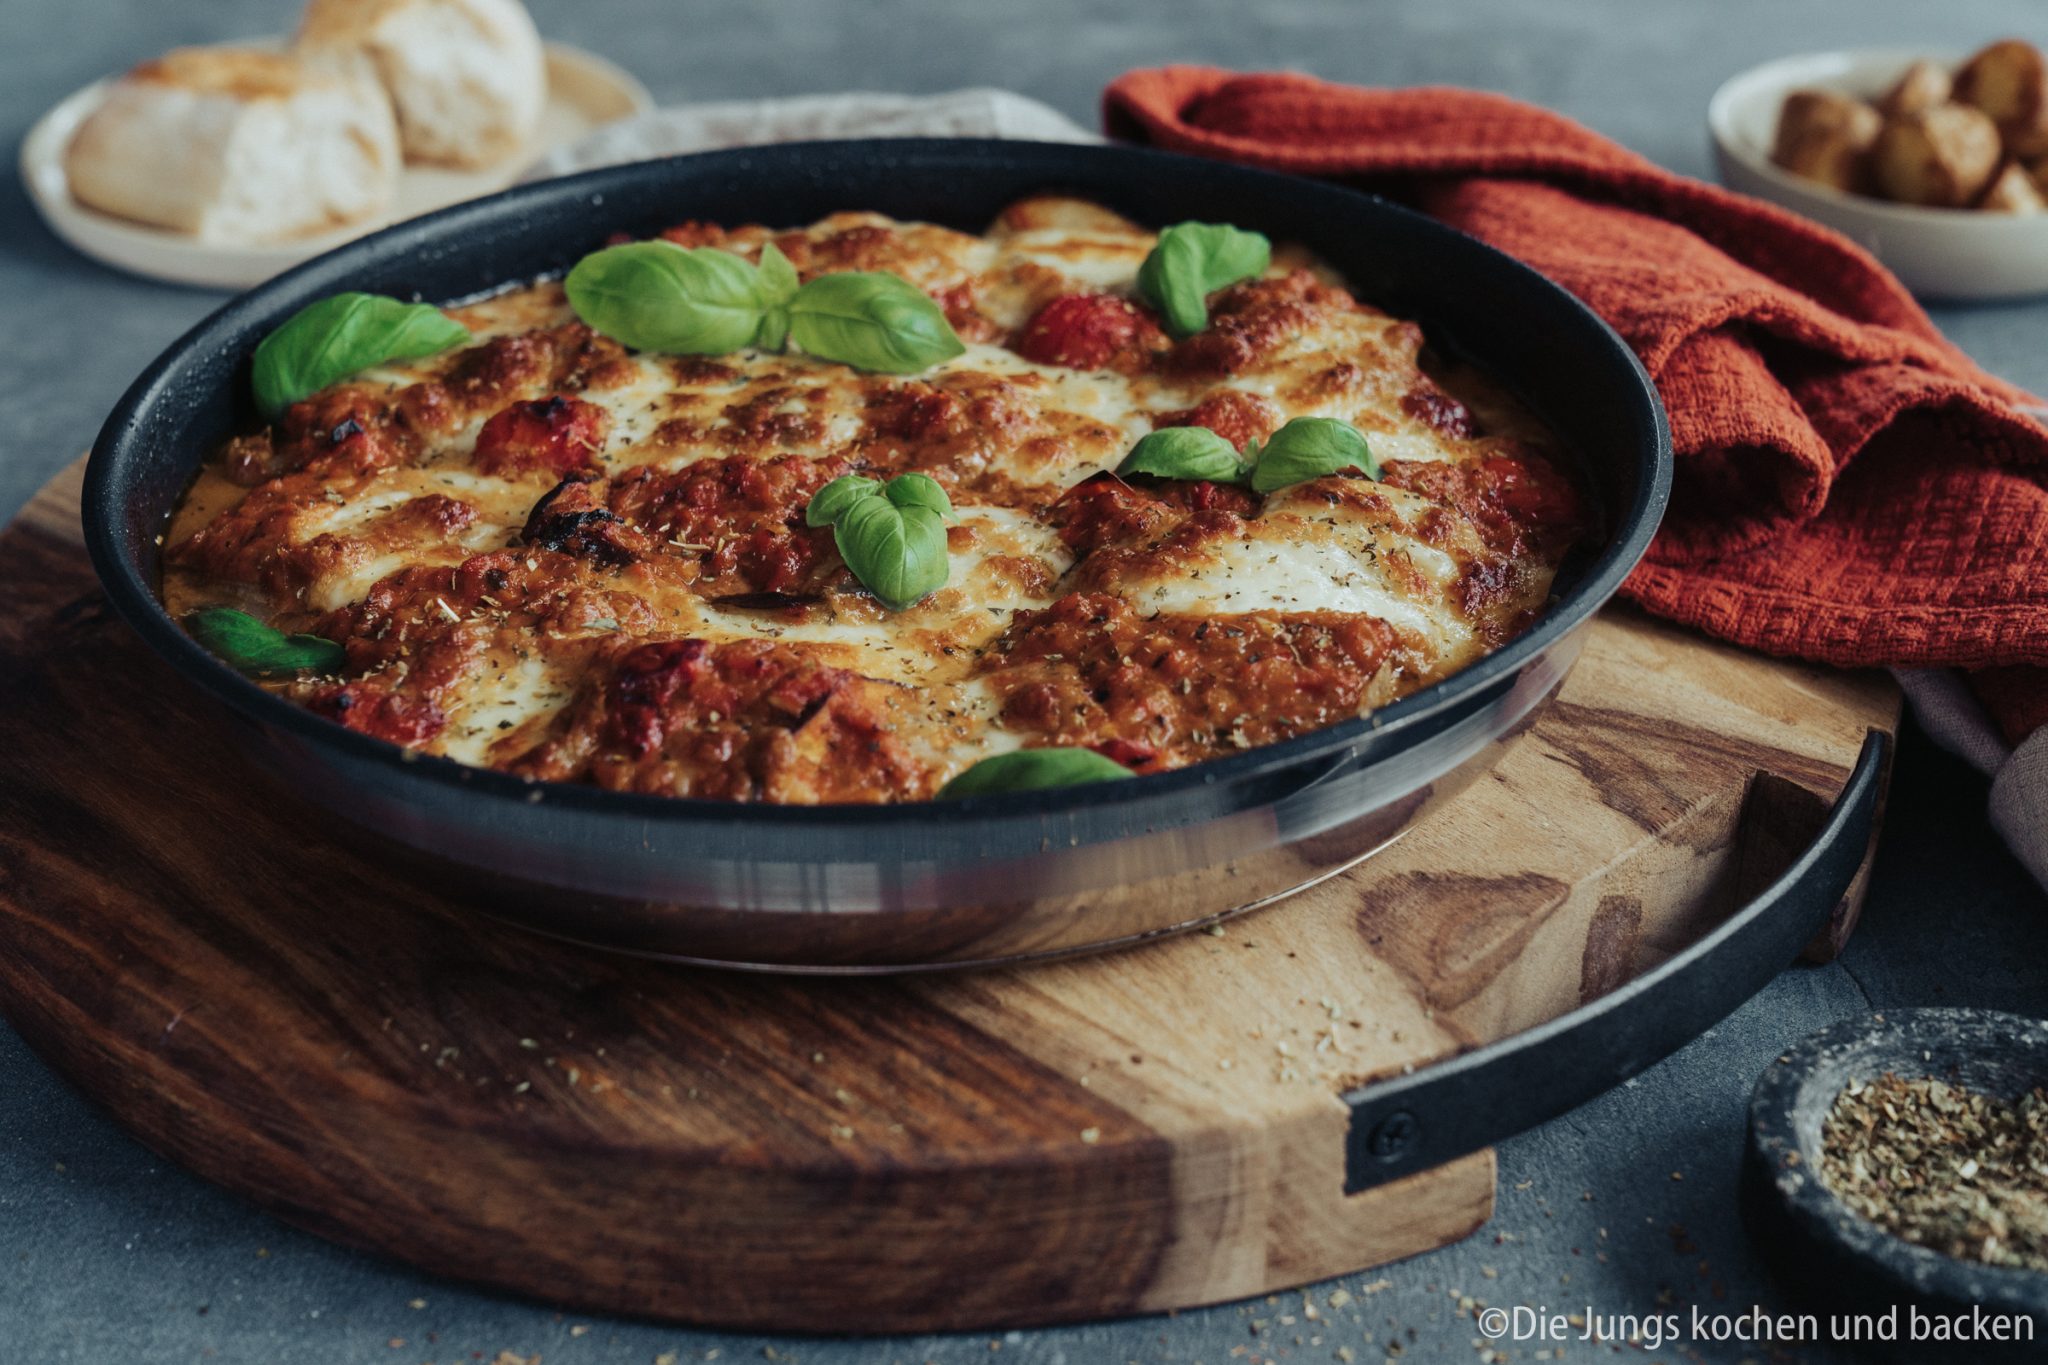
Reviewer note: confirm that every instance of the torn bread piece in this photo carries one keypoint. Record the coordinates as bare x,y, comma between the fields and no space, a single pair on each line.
468,78
237,146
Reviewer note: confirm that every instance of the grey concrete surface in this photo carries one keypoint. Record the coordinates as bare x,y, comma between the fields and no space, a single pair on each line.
110,1257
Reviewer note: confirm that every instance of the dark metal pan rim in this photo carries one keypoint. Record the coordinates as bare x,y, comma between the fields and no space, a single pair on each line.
135,599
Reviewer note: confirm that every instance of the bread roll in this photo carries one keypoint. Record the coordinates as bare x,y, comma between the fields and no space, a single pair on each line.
237,146
1826,136
467,77
1923,86
1943,157
2013,192
2009,81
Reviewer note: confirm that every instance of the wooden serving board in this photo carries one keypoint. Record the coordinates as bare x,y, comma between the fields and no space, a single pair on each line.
1139,1130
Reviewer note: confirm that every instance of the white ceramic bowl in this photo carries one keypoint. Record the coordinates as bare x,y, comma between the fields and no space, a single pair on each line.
584,92
1938,253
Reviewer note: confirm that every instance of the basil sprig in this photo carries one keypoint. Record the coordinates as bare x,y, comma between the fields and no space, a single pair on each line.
657,296
1193,261
892,535
1306,448
249,646
1032,769
341,335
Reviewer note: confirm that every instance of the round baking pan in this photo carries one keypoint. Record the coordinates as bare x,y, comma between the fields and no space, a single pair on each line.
879,888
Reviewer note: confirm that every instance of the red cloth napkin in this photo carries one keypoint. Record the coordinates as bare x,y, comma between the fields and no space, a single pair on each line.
1850,487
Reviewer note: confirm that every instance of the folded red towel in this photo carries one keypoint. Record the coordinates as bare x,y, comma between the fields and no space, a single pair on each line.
1850,487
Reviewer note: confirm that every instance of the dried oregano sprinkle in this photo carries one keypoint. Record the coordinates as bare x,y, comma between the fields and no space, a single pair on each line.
1944,1167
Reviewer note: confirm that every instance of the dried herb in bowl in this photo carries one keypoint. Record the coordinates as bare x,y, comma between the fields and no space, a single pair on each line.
1944,1167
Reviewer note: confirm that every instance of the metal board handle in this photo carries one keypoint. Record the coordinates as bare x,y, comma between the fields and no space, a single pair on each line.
1404,1124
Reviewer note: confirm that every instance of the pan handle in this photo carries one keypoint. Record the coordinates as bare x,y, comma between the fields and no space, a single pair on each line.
1404,1124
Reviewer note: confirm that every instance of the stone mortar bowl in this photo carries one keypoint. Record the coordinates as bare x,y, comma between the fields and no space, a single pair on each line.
1840,1262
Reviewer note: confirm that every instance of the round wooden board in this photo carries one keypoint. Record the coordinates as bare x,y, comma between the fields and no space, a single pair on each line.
1160,1127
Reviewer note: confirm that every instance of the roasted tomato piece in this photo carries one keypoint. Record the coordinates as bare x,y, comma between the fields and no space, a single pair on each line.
573,519
1252,322
370,706
914,411
1531,490
1519,501
343,429
1133,754
958,303
647,681
688,233
1090,670
1432,406
1104,509
566,358
1238,417
744,720
555,434
1091,332
694,685
745,516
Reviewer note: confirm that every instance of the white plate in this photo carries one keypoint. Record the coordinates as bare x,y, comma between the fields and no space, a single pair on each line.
1939,253
584,92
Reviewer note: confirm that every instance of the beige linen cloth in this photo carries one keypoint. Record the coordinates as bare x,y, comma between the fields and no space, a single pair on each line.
2019,788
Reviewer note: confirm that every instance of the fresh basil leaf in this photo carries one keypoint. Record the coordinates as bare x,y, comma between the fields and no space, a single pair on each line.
778,277
249,646
919,490
1185,453
341,335
898,553
777,282
1193,261
829,503
657,296
1308,448
1032,769
893,535
872,321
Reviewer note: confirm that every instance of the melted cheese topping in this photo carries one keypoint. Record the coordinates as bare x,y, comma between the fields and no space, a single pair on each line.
479,629
1298,556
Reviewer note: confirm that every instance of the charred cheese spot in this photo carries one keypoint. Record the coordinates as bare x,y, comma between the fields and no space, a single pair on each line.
549,554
